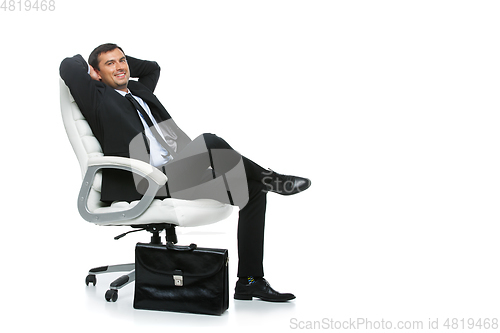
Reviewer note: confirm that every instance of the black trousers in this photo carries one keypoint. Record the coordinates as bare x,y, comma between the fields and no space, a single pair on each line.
210,157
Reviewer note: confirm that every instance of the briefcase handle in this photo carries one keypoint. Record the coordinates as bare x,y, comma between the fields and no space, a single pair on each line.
191,247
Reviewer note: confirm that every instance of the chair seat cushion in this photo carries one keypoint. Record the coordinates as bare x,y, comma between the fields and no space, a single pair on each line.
184,213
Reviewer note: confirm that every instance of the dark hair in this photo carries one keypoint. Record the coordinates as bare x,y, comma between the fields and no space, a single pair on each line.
94,56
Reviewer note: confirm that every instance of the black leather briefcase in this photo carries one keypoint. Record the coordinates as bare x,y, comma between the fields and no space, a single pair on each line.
181,279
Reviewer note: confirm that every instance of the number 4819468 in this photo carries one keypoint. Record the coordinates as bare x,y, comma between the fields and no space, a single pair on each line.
28,5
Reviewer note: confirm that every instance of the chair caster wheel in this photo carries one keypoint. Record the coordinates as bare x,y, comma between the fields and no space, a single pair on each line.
90,279
111,295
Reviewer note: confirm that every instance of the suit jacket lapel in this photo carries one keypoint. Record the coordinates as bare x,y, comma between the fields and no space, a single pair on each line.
158,111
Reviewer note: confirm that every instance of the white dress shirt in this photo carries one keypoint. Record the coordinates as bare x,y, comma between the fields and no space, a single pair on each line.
158,154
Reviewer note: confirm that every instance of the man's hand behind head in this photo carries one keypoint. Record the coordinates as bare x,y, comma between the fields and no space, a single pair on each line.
93,74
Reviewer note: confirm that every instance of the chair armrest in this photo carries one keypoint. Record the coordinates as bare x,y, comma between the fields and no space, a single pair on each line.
156,179
135,165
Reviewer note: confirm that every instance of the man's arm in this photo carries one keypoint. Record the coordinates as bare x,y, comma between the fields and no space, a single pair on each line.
148,72
85,90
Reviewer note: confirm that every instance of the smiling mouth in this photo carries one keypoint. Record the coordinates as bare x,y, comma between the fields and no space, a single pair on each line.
120,75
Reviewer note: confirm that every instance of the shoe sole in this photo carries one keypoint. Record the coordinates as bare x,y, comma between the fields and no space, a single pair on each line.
286,193
243,297
250,297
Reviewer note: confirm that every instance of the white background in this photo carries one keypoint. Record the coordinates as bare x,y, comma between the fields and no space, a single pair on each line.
390,107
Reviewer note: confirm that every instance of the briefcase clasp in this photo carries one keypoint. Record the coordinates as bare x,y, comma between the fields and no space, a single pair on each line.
178,281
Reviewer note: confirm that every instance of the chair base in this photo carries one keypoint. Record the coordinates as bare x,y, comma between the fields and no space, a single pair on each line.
112,293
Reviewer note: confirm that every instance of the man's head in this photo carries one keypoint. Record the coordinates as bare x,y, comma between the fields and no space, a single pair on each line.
110,65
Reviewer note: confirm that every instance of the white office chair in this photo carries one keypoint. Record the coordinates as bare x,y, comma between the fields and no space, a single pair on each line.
149,214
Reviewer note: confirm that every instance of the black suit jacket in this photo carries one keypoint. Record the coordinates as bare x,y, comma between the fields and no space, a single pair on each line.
114,120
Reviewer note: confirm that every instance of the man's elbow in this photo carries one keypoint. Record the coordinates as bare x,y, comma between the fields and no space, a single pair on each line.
158,68
68,63
64,66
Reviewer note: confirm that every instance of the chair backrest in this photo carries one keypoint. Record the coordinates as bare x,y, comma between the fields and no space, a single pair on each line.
83,141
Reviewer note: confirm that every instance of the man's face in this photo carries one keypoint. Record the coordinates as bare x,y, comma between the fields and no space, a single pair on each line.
113,69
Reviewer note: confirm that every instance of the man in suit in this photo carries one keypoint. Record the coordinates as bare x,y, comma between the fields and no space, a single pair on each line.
129,121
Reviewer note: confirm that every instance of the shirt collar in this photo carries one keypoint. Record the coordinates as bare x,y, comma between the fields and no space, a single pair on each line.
123,93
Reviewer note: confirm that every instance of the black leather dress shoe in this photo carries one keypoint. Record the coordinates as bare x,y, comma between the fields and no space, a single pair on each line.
286,185
260,289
